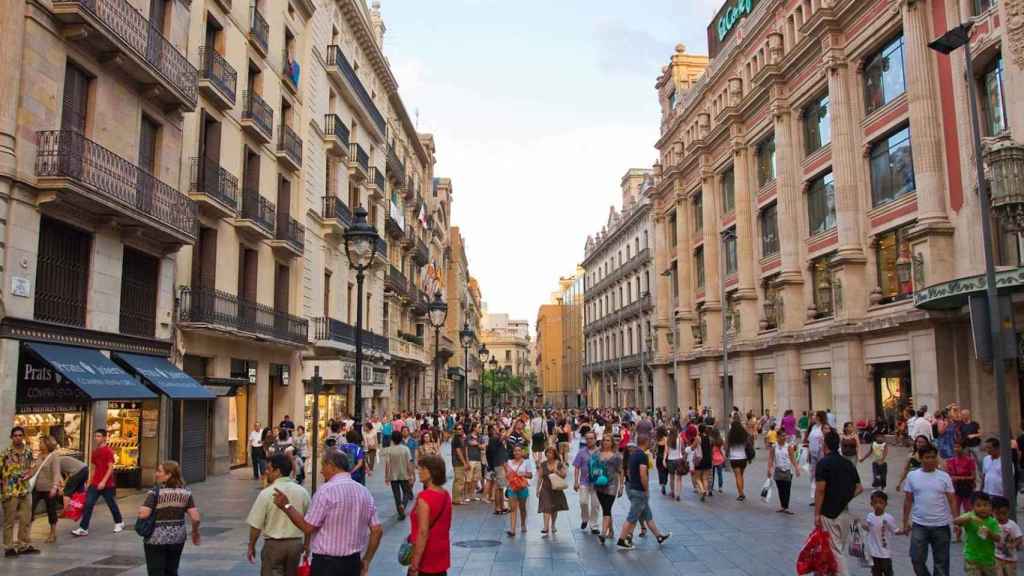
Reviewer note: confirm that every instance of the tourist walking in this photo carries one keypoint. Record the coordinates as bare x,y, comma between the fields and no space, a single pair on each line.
878,450
283,542
431,521
928,504
356,455
913,460
47,486
256,451
101,484
538,437
782,467
460,462
606,477
370,445
474,471
341,521
849,444
519,471
962,470
637,488
497,456
551,495
397,472
982,530
170,501
739,439
589,502
702,461
717,461
563,433
660,457
880,527
15,471
992,469
675,462
836,484
300,442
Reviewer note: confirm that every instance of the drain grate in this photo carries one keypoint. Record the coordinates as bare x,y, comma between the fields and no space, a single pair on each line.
119,561
478,543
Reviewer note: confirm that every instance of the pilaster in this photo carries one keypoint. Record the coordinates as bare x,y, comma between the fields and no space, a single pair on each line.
745,190
790,387
744,382
12,22
790,278
712,279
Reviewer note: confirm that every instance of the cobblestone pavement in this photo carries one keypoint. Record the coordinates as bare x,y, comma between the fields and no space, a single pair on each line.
722,537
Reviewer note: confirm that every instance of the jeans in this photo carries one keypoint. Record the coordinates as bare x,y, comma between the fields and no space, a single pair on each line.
91,496
937,537
400,490
256,456
162,560
784,490
717,471
639,507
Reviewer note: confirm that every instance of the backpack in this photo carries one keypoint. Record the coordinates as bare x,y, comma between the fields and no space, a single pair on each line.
598,472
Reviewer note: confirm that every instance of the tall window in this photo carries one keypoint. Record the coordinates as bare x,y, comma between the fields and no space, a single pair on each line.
992,101
672,240
728,191
729,244
892,167
139,279
982,6
698,266
893,258
62,273
769,230
817,125
766,160
698,213
883,76
821,204
821,286
76,99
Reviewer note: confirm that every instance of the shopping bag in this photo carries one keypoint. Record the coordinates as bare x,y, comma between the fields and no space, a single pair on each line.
816,555
304,569
766,490
73,511
856,548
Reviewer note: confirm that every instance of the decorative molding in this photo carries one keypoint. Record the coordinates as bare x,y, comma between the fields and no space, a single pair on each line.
1015,29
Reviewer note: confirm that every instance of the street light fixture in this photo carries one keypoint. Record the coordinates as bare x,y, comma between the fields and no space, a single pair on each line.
482,355
467,336
727,236
438,313
360,247
494,380
956,38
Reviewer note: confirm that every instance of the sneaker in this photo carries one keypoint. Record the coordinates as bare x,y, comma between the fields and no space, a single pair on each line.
624,544
29,550
10,553
119,527
80,532
664,537
595,531
583,525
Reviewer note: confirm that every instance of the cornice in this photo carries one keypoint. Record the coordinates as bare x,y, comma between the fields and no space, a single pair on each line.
364,35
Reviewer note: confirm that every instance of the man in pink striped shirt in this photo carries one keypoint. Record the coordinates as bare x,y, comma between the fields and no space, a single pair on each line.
341,521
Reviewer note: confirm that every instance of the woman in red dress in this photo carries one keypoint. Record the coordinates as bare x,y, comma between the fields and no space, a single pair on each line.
431,521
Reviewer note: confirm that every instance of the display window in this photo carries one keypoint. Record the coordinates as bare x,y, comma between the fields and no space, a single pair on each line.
124,420
65,427
332,407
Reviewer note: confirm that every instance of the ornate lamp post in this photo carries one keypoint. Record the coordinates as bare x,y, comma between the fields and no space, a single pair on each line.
360,245
494,380
438,313
482,354
467,336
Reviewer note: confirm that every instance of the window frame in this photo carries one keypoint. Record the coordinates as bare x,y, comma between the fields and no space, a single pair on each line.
698,267
882,148
825,183
766,244
766,170
730,246
821,137
995,69
901,246
727,180
877,59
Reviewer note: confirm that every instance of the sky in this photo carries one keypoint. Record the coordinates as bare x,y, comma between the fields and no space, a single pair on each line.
537,109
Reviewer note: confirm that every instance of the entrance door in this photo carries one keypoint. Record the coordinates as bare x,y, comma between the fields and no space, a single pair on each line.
893,391
193,440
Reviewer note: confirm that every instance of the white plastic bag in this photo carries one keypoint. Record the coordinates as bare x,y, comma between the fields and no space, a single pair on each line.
766,491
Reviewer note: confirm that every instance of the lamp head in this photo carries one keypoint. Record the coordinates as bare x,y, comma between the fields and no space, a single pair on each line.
360,241
438,311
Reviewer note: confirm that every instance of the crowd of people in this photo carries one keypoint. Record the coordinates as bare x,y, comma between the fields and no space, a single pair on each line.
952,484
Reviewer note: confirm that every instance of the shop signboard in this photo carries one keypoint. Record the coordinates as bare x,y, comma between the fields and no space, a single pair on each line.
42,389
725,22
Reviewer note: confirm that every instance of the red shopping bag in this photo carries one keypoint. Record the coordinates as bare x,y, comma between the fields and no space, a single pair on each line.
304,569
816,555
73,511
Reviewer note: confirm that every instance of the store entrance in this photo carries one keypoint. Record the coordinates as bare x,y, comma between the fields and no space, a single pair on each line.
124,421
766,387
819,389
893,391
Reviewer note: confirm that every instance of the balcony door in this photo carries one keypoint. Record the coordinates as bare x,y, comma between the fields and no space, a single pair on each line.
72,119
209,152
248,276
155,44
139,278
146,176
281,280
251,184
204,273
284,207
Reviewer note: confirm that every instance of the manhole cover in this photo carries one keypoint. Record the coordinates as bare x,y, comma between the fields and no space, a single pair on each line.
478,543
126,561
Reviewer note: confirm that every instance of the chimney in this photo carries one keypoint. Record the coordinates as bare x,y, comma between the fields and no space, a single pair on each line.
377,23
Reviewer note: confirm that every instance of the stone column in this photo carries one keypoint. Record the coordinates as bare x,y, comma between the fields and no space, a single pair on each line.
684,314
790,279
684,394
744,382
848,380
712,288
790,387
9,352
711,385
664,395
12,22
263,392
745,190
663,294
220,454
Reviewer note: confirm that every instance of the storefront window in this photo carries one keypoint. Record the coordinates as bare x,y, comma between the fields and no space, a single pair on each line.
883,76
821,204
124,419
772,304
982,6
65,427
992,99
892,167
698,266
769,230
894,265
893,393
698,393
821,284
333,406
766,160
728,191
819,389
817,125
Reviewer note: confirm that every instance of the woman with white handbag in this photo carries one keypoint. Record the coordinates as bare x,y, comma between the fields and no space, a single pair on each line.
46,484
551,496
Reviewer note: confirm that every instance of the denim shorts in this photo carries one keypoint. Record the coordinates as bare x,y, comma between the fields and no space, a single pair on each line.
639,507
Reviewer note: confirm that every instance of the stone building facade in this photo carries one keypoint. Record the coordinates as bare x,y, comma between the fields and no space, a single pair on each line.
824,160
619,295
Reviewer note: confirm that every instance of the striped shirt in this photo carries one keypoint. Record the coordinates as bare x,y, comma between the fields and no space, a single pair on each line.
343,510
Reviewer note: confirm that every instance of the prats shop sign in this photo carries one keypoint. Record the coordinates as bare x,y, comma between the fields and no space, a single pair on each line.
41,387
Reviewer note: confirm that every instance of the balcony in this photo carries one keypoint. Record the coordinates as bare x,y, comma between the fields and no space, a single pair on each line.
257,117
290,239
213,189
337,217
256,220
358,162
396,283
339,69
82,176
335,135
403,348
289,148
329,332
290,71
217,79
381,254
393,227
259,30
395,167
204,308
420,302
115,30
410,188
420,255
409,237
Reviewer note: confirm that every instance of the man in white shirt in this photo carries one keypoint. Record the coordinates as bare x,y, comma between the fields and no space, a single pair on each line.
927,513
922,427
256,451
992,470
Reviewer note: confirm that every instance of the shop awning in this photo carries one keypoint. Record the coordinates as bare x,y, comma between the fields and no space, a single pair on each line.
164,376
91,371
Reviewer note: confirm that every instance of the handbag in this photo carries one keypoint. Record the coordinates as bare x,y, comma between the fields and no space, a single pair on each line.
515,481
406,549
73,511
304,569
145,526
32,480
781,475
557,482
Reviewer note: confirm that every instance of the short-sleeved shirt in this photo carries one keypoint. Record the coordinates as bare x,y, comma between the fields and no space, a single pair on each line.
612,469
356,454
13,466
344,511
637,458
931,505
840,478
170,512
880,530
978,550
582,463
102,460
457,444
271,520
473,448
966,430
1009,532
992,469
396,460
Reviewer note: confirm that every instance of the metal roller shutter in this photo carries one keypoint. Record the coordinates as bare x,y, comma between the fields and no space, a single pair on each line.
193,440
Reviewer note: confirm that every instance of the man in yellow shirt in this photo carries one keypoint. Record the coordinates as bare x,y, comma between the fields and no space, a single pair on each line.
283,543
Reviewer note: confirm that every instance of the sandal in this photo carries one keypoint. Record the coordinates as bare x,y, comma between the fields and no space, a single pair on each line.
511,534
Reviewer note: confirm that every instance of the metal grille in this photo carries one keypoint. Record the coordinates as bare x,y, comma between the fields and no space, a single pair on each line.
335,57
259,30
290,143
215,68
333,126
257,110
138,293
62,276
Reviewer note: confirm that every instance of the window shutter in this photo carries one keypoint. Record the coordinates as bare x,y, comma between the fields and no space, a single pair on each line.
76,94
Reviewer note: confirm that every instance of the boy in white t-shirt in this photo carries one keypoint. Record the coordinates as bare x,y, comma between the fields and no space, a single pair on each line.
1010,540
881,527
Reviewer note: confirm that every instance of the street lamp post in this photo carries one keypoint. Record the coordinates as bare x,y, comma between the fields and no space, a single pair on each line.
317,384
947,43
467,336
482,354
728,235
360,247
494,381
438,312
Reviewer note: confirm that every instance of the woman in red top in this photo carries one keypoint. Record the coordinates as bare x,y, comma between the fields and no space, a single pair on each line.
431,521
961,469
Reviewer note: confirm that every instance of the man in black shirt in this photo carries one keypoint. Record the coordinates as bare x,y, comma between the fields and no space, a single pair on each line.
836,484
639,496
497,455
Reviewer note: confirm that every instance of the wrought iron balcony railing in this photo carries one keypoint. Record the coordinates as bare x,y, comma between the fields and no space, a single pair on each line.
382,248
213,180
259,30
258,209
292,232
335,57
257,110
338,331
114,180
207,306
378,180
334,208
361,157
395,167
396,282
215,68
127,25
335,127
421,255
290,143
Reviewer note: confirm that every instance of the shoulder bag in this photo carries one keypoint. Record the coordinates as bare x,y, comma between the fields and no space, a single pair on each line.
145,526
557,482
32,480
